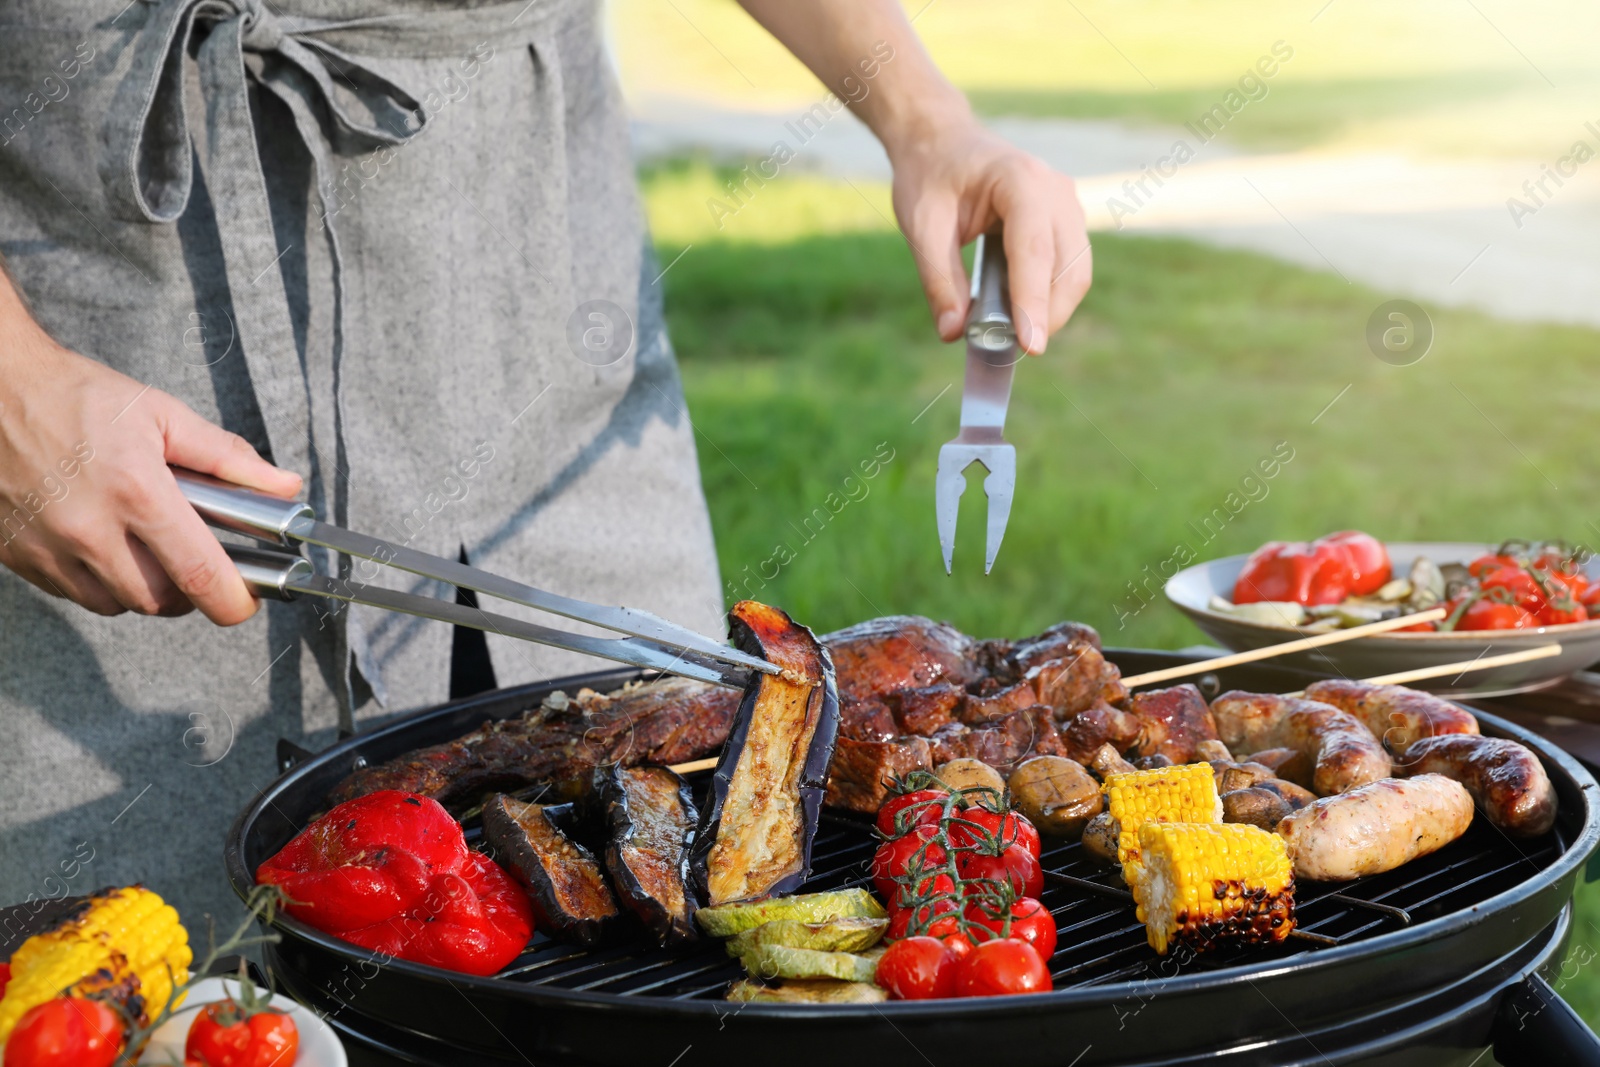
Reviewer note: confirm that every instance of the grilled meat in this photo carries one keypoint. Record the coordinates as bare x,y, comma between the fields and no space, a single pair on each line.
900,652
1083,735
1397,715
978,709
668,721
1003,742
862,771
1077,681
867,720
1009,661
754,839
570,895
651,818
1107,760
1376,827
923,709
1505,778
1173,721
1344,752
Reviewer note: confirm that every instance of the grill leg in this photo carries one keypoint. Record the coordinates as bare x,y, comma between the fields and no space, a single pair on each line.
1535,1027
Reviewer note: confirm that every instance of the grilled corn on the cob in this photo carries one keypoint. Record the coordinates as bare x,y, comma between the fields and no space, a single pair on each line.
1186,793
126,943
1201,883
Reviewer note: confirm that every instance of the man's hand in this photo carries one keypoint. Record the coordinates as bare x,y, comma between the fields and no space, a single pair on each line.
953,179
88,508
957,182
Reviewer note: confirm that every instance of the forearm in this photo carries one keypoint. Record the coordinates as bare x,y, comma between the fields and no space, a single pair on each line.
867,53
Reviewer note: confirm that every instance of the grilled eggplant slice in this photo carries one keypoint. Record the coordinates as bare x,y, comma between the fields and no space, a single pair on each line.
652,821
835,935
754,838
568,891
730,919
809,991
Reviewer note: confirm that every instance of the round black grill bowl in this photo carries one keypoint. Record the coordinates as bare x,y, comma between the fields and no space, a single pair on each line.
1426,954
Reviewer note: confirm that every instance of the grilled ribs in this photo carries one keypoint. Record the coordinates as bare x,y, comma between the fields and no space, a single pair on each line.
663,722
913,693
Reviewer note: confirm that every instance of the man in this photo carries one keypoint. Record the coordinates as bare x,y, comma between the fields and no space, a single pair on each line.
370,240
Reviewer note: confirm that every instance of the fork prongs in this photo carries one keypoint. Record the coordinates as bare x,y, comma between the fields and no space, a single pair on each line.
999,486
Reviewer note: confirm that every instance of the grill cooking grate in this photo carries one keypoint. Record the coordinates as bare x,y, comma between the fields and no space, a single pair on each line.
1100,940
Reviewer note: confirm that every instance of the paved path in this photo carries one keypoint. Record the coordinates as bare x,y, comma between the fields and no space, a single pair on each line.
1436,230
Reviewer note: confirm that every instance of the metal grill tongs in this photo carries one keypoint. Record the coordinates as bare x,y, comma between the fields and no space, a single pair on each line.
654,643
992,356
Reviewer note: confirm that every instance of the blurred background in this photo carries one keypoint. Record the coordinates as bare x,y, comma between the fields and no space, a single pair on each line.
1436,152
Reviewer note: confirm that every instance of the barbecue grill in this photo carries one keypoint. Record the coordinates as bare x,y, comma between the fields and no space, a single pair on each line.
1429,963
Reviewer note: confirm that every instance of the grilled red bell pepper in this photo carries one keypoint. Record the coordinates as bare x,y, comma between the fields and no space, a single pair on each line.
391,872
1294,571
1369,560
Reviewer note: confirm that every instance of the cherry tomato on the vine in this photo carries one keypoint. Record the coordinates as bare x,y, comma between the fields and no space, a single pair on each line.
996,968
1489,614
1031,921
959,944
922,807
936,917
1519,586
918,968
1492,562
1014,864
1010,828
898,857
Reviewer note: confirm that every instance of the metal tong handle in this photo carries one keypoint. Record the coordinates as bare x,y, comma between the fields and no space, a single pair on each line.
286,576
288,522
228,507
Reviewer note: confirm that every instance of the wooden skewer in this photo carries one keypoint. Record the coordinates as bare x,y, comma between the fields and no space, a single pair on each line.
1466,666
1332,637
695,765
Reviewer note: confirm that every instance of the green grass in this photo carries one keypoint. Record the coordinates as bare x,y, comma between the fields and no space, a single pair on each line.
1291,114
806,350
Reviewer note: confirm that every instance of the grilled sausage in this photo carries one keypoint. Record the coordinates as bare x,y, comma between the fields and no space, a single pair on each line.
1345,753
1398,716
1376,827
1505,778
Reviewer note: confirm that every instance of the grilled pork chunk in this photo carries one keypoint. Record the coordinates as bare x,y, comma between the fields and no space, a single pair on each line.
898,652
1174,722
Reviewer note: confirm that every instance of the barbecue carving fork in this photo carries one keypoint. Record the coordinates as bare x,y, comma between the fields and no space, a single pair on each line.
992,356
652,642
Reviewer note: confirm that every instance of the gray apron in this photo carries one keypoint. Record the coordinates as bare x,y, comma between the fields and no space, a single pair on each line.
396,245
